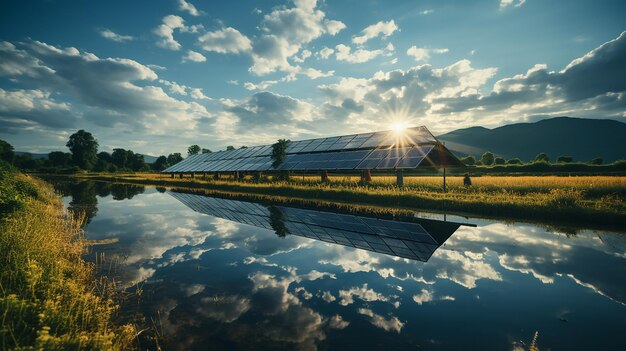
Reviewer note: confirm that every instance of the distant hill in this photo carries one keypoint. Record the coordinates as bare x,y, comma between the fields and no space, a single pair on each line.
581,138
146,158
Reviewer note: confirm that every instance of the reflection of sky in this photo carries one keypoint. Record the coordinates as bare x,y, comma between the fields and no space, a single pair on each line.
217,282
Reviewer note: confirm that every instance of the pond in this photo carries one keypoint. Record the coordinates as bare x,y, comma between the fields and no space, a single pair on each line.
214,273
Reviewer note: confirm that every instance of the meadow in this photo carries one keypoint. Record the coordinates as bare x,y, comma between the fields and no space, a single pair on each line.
587,201
50,298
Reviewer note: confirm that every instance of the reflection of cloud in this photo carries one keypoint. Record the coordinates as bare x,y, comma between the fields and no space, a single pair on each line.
328,296
391,324
336,322
224,308
363,292
423,296
465,271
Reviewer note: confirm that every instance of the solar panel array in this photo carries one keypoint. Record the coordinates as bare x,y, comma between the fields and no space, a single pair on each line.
380,150
403,239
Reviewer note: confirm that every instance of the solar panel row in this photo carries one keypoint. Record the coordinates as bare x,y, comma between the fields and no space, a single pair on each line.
334,153
404,239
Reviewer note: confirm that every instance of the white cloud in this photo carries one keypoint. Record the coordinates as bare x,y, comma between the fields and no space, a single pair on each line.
23,109
188,7
303,56
284,31
194,56
384,29
427,12
511,3
166,32
105,89
423,296
333,27
423,54
225,41
198,94
174,87
345,53
109,34
325,53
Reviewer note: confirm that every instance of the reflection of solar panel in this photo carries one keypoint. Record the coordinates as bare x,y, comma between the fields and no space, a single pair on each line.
380,150
413,240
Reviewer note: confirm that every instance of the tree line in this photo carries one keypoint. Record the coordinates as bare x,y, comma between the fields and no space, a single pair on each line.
489,159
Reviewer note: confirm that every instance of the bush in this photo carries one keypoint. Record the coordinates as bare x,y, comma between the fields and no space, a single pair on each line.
597,161
469,160
564,159
499,161
487,158
515,161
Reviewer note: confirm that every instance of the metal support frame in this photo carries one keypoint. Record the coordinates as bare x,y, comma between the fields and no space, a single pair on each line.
325,177
399,178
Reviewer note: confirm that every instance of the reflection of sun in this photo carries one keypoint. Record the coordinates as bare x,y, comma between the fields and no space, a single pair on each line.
399,127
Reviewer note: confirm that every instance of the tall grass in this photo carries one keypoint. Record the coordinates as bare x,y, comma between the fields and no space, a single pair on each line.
49,297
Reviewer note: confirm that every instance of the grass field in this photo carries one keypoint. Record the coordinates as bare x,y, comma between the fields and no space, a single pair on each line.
49,297
588,201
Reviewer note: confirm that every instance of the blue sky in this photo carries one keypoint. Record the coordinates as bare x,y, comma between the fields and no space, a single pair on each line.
157,76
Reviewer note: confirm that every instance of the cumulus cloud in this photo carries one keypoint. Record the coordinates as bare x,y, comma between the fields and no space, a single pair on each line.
106,87
362,292
382,28
188,7
423,54
325,53
283,33
265,108
166,32
225,41
22,109
345,53
111,35
194,57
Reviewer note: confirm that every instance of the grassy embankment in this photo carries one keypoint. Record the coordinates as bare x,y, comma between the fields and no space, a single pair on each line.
596,201
49,297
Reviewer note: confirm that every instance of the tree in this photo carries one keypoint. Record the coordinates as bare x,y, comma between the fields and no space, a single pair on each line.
515,161
499,161
160,163
59,159
6,151
542,157
279,152
564,159
84,149
230,148
193,150
135,161
469,160
174,158
487,158
243,147
105,157
119,158
206,151
597,161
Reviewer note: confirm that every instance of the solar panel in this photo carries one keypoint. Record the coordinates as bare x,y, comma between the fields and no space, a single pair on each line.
357,151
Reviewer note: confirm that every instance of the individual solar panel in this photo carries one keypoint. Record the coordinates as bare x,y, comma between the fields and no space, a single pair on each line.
392,159
373,159
357,141
327,144
297,146
314,144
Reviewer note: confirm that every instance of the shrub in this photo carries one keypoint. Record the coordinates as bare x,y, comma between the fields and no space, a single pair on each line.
487,158
597,161
499,161
564,159
515,161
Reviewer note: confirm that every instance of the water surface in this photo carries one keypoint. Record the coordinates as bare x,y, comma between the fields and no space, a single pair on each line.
211,282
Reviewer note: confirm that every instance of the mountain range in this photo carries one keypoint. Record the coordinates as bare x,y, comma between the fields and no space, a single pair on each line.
581,138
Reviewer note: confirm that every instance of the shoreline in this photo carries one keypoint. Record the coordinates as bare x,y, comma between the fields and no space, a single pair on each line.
556,207
51,297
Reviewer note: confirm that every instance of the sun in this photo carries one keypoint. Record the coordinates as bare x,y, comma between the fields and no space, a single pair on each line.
399,127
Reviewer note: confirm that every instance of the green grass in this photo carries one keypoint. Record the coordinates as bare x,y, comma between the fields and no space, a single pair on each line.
49,297
595,202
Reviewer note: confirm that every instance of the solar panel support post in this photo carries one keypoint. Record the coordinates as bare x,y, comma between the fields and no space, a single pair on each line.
257,176
193,175
325,177
216,175
445,189
203,175
180,175
172,175
399,178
